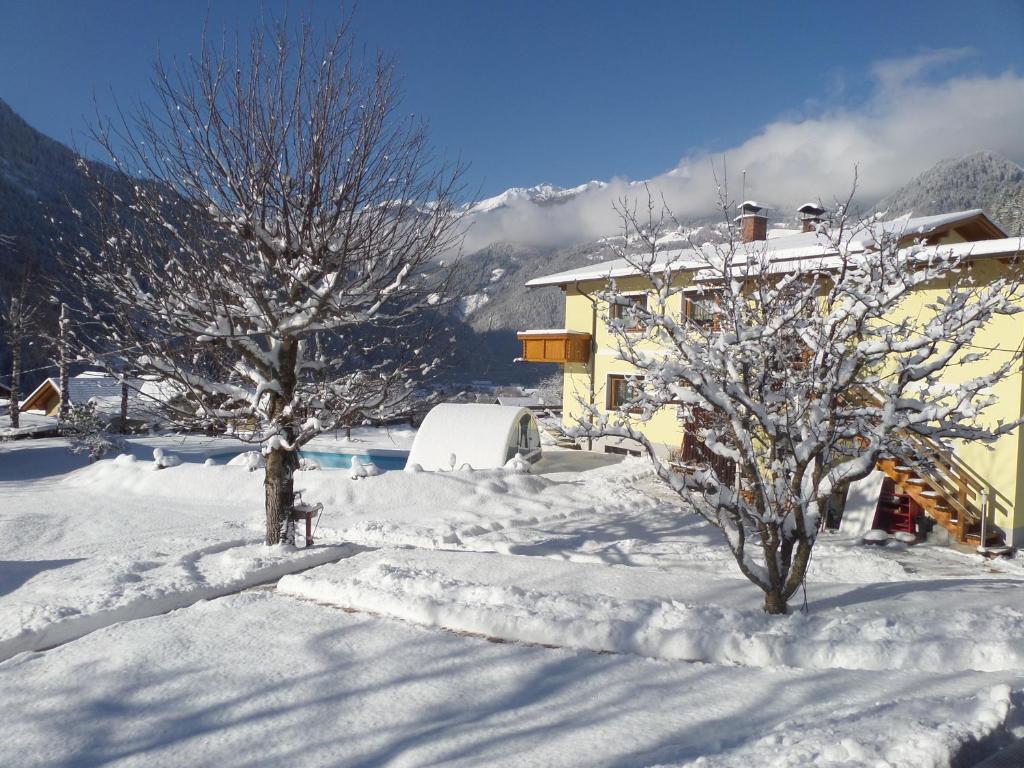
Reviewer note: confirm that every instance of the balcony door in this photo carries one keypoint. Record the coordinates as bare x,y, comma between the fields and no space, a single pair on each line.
696,454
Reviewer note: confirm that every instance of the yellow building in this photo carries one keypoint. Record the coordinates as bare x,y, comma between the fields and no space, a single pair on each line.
962,483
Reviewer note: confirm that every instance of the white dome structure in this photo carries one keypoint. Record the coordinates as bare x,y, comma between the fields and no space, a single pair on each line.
483,436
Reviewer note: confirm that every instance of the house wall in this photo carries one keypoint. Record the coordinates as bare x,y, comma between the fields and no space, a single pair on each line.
664,429
1000,465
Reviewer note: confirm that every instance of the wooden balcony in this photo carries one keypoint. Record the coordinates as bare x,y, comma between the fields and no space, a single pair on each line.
555,346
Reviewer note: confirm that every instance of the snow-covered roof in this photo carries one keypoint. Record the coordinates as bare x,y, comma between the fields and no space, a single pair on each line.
798,245
105,391
980,249
474,433
520,401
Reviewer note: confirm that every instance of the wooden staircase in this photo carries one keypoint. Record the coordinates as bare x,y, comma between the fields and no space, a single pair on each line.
950,499
941,486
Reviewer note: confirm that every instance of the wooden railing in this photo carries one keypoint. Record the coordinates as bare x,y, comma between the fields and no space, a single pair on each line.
958,483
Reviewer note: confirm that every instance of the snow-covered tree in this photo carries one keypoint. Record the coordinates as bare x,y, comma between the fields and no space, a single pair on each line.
275,258
798,377
88,432
19,316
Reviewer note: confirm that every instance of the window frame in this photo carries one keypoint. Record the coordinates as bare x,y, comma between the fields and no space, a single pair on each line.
615,310
614,383
691,297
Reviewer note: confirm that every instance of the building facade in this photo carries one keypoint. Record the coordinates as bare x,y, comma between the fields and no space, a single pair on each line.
593,372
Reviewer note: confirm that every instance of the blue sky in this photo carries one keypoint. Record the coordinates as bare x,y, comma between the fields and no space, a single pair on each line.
541,91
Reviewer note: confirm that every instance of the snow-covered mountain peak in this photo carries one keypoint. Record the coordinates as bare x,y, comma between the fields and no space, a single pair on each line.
541,194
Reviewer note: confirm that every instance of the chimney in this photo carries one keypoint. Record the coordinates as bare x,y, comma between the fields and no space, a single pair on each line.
753,221
810,216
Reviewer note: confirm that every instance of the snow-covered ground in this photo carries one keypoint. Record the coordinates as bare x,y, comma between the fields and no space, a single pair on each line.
379,648
259,679
28,424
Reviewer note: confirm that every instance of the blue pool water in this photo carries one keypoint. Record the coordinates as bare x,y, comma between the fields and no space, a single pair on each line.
334,460
384,461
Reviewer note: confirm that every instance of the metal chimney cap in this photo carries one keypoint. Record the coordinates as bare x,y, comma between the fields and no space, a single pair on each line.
750,207
811,209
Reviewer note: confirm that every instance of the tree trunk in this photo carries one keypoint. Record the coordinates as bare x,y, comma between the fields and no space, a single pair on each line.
124,406
279,487
775,603
13,403
281,463
65,401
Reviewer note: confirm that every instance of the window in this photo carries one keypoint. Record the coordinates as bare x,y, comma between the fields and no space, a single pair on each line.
700,309
622,390
619,311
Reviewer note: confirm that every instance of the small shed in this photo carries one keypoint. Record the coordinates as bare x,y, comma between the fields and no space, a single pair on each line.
483,436
102,389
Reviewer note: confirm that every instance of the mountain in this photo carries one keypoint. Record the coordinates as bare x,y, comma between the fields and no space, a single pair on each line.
542,194
981,180
40,186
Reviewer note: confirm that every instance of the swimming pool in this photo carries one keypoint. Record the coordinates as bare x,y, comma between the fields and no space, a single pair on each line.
385,462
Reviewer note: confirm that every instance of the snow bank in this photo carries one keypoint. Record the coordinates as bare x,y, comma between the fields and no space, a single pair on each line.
482,594
116,540
84,596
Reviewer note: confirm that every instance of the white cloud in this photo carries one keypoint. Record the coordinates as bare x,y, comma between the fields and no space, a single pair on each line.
907,125
893,74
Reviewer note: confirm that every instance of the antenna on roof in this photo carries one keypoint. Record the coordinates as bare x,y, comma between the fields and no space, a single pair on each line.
743,189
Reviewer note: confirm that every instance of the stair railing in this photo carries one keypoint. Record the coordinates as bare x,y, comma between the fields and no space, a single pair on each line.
960,486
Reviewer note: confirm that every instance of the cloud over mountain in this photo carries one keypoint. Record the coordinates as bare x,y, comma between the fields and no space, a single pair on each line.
908,122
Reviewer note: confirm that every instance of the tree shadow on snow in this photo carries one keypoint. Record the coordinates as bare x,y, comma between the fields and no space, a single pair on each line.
893,590
427,697
28,462
14,573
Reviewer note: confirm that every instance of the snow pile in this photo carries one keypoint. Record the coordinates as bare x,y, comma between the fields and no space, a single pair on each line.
517,465
875,536
251,460
164,460
484,595
308,465
363,467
